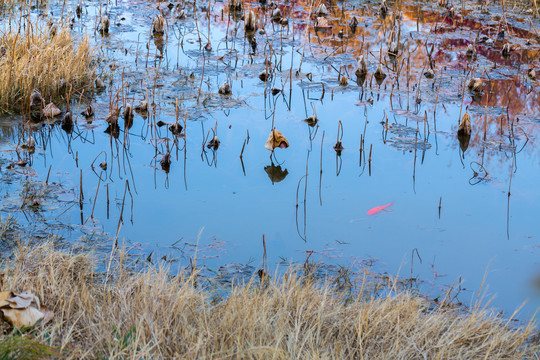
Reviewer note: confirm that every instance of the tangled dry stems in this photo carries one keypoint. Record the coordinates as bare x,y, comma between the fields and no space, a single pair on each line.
37,56
151,314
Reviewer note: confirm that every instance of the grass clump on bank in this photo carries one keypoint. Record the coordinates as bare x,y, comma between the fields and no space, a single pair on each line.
42,57
151,314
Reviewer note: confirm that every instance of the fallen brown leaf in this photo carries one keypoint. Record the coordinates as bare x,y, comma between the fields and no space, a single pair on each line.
21,318
4,295
276,139
48,314
22,301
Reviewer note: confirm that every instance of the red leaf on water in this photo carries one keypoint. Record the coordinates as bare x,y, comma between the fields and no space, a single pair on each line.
378,209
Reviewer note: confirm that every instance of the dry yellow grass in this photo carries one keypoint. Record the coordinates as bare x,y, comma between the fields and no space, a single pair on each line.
43,58
151,315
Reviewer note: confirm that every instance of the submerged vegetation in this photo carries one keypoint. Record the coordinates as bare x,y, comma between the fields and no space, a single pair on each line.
151,314
37,56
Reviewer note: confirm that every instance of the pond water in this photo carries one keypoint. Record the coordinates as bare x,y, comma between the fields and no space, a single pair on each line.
459,211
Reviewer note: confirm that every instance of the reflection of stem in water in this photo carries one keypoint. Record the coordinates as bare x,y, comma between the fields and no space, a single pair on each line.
265,261
508,201
130,171
242,158
414,163
312,135
369,159
202,77
185,159
107,201
415,250
321,171
95,199
479,174
297,227
81,197
339,164
435,112
463,92
305,177
385,127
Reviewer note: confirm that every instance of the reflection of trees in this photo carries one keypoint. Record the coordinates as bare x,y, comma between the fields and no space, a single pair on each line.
512,91
505,92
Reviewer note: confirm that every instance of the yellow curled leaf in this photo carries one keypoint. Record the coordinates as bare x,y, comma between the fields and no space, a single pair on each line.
21,318
4,295
276,139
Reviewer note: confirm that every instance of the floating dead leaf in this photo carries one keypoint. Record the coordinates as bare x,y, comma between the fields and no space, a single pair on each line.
430,74
338,148
383,9
142,107
312,120
158,25
265,75
104,27
322,10
236,5
100,84
89,112
471,51
51,111
531,73
379,73
393,49
225,89
361,67
506,49
276,14
35,98
250,22
165,162
214,143
475,85
465,125
276,140
353,24
321,23
176,128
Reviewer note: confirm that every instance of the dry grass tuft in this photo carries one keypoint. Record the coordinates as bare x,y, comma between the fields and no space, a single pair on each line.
153,315
35,58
